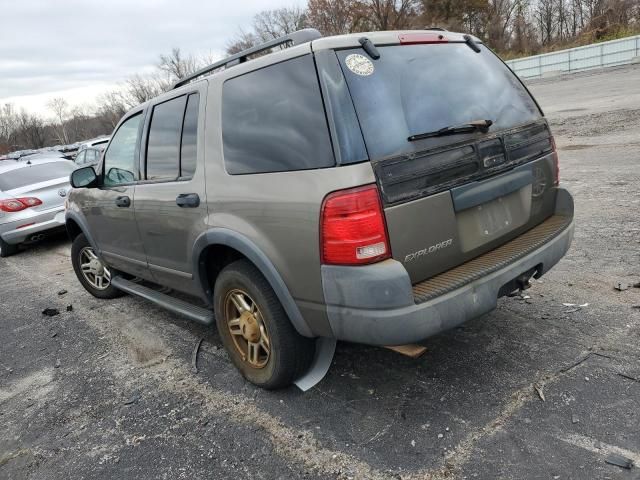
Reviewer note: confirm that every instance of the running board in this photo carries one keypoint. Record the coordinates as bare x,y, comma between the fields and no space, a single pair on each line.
175,305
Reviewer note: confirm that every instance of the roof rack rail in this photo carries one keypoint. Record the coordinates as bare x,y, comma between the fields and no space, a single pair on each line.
295,38
439,29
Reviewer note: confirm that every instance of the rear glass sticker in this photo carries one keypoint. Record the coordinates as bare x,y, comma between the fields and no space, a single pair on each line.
359,64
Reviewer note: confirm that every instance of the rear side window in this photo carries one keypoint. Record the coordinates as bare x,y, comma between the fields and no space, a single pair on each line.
273,120
189,146
33,174
163,147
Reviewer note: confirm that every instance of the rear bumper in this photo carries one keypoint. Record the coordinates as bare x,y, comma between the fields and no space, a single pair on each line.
16,232
379,307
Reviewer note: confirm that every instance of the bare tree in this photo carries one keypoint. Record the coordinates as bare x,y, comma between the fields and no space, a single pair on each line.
499,21
267,25
139,89
391,14
336,17
60,109
271,24
242,41
32,130
110,108
544,15
177,66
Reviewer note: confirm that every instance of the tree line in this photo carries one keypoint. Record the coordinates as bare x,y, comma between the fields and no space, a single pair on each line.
512,28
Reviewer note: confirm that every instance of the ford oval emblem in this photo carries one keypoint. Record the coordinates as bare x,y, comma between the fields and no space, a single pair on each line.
62,192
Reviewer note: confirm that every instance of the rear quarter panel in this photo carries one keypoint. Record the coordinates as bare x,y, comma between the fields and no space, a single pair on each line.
279,212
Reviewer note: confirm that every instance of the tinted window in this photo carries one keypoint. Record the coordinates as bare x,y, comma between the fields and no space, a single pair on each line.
416,89
189,148
273,120
120,161
163,146
32,174
80,157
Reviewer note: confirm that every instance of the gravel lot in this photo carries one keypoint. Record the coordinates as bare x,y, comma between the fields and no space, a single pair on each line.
107,390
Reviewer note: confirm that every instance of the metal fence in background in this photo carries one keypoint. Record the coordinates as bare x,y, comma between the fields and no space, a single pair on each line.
605,54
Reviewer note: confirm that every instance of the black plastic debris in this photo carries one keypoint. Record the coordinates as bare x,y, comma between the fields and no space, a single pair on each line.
133,399
69,308
51,312
619,461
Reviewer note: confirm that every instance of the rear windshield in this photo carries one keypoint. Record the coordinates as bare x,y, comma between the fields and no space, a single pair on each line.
413,89
32,174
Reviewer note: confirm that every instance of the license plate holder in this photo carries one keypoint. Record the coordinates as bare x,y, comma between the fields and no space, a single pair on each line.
489,221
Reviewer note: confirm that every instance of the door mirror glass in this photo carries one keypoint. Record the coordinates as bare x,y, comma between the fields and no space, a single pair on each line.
84,178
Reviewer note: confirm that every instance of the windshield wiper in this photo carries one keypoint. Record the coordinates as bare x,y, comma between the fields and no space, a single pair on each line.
482,125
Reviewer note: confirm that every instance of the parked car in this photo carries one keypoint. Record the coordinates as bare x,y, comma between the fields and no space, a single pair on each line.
32,195
376,188
89,157
100,142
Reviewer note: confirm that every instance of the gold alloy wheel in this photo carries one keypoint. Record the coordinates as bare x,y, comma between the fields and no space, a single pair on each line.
247,328
93,270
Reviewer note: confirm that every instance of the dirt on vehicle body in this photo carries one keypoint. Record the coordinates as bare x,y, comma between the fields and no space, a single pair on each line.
376,188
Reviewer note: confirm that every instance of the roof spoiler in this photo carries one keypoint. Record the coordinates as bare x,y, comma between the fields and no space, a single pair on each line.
295,38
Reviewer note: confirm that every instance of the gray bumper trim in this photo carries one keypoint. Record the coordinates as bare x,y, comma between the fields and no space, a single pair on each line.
417,322
361,310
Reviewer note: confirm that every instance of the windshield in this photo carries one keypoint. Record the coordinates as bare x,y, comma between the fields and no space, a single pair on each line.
32,174
414,89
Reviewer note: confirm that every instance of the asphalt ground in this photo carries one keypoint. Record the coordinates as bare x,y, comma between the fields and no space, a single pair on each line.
536,389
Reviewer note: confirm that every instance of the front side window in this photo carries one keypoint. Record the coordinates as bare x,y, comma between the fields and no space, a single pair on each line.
120,160
163,147
273,120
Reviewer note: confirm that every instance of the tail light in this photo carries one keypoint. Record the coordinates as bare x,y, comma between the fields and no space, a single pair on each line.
352,227
556,162
18,204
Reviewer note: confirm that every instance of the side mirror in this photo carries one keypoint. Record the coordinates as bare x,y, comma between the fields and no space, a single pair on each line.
84,178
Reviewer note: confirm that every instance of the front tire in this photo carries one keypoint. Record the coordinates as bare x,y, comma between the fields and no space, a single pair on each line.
6,249
255,329
94,275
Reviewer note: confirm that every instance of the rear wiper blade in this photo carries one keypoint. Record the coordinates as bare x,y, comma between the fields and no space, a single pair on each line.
482,125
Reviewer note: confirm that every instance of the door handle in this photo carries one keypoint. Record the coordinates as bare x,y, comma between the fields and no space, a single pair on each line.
124,202
188,200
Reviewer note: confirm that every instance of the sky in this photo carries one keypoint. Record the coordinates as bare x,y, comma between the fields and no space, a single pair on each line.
78,49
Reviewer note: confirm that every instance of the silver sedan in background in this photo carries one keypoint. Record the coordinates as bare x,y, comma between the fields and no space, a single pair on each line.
32,196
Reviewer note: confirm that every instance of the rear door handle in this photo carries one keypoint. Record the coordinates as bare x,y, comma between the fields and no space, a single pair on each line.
124,202
188,200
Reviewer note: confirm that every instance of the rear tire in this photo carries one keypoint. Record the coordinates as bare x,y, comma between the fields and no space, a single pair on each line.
256,331
6,249
94,276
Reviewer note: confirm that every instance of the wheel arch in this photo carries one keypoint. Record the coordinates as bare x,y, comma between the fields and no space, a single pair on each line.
216,248
76,225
